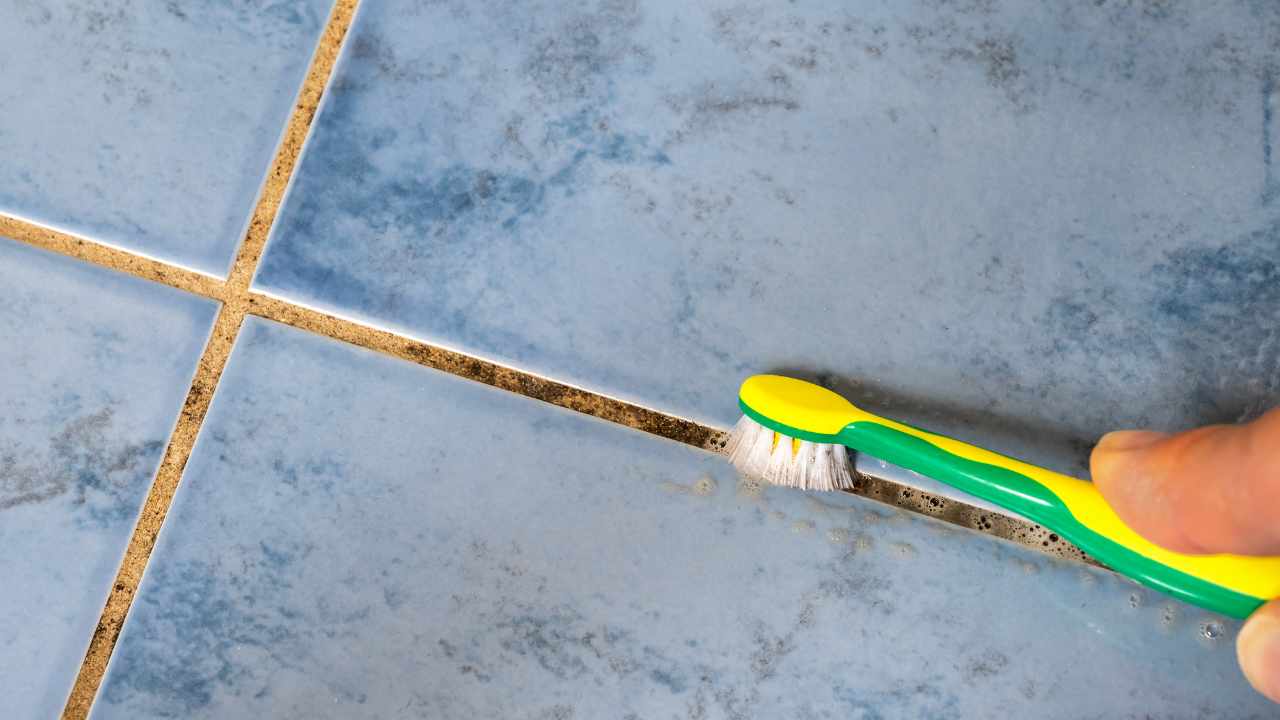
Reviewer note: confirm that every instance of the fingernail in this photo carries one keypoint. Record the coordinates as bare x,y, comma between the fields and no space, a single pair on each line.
1116,454
1128,440
1258,649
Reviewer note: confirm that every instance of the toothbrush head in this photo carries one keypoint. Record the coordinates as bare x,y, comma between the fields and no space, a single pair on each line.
760,453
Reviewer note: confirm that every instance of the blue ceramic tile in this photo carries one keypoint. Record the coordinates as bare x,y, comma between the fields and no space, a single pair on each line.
148,125
95,366
1020,223
358,537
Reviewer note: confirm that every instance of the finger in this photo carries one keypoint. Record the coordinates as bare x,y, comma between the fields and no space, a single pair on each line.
1258,649
1215,489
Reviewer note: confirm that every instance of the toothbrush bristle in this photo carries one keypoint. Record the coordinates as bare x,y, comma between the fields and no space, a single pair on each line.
760,453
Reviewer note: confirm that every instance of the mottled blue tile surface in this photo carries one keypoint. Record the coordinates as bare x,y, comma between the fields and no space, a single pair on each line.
1020,223
93,369
358,537
148,125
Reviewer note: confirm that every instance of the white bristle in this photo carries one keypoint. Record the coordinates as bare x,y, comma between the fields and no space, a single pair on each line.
752,449
843,477
778,471
740,432
830,469
806,456
820,478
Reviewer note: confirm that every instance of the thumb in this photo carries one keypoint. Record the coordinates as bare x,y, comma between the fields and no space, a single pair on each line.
1258,648
1214,489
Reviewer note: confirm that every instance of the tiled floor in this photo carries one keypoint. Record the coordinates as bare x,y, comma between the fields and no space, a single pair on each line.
1021,223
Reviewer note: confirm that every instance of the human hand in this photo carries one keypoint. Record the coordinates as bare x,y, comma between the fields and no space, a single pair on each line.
1214,489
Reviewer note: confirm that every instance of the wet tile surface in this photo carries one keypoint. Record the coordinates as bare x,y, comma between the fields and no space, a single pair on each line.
95,367
121,113
1019,223
359,537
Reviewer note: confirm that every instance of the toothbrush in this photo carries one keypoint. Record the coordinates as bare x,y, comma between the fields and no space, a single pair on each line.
794,434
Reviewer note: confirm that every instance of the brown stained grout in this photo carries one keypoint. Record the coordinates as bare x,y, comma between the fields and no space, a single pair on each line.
235,301
485,371
154,509
238,301
109,257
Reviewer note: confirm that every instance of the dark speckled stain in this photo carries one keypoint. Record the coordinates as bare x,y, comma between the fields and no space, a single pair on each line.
504,620
998,57
557,712
984,665
925,699
103,481
848,579
552,639
569,647
771,650
575,61
1269,99
370,47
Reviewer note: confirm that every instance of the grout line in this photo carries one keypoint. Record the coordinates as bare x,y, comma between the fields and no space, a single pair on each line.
154,510
113,258
238,300
291,144
488,372
235,298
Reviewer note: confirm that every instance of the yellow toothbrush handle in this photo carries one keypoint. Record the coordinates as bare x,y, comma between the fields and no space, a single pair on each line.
1073,508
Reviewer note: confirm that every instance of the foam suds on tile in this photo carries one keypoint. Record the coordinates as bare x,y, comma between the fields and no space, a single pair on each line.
827,520
750,488
704,486
1211,631
904,550
803,527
